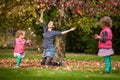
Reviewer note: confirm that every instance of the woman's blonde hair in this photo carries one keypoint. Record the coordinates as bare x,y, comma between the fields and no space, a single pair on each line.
19,33
106,21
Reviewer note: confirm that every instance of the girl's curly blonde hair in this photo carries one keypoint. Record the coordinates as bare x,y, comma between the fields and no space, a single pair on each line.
106,21
19,33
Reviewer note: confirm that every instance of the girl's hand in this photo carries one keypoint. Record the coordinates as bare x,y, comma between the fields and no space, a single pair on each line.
73,28
4,45
29,42
96,36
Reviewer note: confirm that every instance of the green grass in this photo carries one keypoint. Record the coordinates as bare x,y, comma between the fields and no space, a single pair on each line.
48,74
8,53
89,57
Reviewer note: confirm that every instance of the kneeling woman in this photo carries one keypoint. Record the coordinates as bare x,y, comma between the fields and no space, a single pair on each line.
48,41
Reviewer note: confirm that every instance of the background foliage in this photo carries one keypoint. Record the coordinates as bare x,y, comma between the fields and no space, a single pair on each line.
84,14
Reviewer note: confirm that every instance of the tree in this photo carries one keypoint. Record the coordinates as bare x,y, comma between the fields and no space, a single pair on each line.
84,14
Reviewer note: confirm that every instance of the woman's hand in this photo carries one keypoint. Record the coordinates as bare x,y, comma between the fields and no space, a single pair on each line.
43,10
73,28
41,16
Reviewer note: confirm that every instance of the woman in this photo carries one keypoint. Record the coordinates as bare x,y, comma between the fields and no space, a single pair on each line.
48,41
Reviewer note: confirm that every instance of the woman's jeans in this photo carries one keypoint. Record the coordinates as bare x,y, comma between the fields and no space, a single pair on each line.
49,52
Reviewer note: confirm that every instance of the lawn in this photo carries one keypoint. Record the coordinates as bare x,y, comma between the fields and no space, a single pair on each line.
46,74
76,67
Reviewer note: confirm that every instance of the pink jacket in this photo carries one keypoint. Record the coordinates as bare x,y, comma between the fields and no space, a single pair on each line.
19,46
108,42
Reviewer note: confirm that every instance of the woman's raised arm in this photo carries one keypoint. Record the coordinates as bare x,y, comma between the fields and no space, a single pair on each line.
41,16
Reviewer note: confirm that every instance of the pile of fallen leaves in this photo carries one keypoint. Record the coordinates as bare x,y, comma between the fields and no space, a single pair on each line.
67,64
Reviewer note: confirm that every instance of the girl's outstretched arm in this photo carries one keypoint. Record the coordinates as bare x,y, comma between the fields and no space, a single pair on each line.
10,43
66,31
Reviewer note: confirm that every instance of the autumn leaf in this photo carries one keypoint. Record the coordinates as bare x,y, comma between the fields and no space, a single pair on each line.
69,65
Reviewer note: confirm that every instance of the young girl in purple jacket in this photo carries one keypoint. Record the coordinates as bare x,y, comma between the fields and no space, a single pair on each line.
105,42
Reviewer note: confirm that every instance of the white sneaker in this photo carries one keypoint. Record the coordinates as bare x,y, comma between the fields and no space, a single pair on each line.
17,67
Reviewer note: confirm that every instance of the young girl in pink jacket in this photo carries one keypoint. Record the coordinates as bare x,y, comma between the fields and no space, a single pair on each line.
105,42
19,46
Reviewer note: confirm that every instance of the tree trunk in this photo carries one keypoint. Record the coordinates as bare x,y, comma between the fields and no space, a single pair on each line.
60,47
60,40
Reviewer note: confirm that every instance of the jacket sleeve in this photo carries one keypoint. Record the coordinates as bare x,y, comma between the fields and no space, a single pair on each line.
104,36
44,26
11,43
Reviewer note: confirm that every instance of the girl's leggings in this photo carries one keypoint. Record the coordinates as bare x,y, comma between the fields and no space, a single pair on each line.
108,64
19,58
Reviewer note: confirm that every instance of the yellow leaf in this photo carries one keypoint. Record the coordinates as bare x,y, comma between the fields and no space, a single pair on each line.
0,12
18,0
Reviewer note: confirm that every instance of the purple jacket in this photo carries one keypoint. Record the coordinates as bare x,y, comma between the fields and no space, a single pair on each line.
108,42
